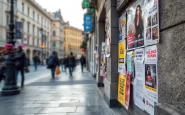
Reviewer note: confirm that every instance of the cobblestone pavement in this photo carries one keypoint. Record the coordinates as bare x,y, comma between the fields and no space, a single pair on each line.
65,95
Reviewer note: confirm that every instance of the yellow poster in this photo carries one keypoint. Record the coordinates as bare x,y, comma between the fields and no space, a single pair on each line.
122,89
122,52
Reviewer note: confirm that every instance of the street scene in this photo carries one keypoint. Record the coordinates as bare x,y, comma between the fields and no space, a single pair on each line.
92,57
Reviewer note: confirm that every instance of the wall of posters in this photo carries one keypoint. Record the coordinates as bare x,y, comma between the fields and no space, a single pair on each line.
142,24
122,89
139,81
122,27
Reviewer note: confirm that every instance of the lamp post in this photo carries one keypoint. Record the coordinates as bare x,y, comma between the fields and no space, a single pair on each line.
42,44
10,86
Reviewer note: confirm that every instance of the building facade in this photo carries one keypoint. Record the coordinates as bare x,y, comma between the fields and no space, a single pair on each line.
57,33
167,73
72,40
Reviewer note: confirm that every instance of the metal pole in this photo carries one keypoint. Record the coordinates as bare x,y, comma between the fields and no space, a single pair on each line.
10,86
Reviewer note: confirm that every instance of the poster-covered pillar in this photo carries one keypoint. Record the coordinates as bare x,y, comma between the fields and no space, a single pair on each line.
100,39
111,79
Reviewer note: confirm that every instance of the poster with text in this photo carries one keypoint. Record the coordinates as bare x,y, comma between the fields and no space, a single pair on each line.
139,81
121,69
122,27
151,22
151,78
127,97
122,89
130,65
135,26
122,56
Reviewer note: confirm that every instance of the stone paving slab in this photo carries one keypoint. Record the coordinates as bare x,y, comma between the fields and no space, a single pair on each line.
65,95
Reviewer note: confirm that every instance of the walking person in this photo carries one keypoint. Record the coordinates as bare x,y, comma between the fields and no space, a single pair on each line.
53,62
83,62
20,59
35,61
65,61
71,63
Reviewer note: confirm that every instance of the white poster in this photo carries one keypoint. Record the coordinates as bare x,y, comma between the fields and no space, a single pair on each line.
121,69
139,81
151,78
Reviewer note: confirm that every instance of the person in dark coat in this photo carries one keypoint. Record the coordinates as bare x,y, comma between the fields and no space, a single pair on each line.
35,61
53,62
71,63
82,62
20,59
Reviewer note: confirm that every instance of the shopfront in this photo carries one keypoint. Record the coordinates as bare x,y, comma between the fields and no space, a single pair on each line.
138,56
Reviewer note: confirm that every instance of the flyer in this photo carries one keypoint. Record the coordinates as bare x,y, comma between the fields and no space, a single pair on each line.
139,81
130,65
127,98
122,27
151,73
122,89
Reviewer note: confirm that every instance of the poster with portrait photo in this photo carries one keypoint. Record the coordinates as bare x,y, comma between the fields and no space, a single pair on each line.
151,22
135,26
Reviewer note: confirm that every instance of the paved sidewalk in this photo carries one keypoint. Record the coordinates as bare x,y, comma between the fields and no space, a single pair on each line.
65,95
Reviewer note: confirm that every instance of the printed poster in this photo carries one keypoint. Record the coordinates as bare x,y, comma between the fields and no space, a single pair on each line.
121,58
127,98
130,65
122,89
151,77
142,24
139,81
122,27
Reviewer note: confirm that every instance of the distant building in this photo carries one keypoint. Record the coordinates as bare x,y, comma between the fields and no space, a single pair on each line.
57,33
72,40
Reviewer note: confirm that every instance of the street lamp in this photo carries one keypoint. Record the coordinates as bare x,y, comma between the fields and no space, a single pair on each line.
42,44
10,86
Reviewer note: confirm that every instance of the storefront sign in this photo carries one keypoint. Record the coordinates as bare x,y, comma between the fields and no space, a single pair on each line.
88,22
122,89
122,27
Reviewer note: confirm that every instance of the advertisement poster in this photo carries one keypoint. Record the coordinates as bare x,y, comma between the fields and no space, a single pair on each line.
151,22
139,81
127,98
122,27
151,72
121,57
130,65
135,26
142,24
149,106
122,89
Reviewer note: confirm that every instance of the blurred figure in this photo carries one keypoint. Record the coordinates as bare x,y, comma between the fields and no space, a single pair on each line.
35,61
53,62
71,63
2,67
65,60
83,62
20,58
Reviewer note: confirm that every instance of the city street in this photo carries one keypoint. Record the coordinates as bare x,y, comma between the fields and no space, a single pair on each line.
65,95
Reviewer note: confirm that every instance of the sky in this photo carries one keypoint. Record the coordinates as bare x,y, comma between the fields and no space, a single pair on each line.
71,10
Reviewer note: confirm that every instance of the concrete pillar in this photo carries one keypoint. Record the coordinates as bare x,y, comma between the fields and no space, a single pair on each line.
111,81
100,39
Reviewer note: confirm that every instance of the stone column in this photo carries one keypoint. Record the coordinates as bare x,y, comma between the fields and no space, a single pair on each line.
100,39
111,81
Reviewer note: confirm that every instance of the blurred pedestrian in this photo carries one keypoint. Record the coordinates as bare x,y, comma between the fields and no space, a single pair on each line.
62,64
53,62
2,67
83,62
20,59
71,63
35,61
65,61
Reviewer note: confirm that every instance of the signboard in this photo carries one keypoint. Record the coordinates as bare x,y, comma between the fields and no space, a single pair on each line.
88,22
18,30
142,24
85,4
122,89
122,27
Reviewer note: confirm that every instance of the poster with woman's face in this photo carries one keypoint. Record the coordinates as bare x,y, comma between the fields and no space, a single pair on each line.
122,27
135,26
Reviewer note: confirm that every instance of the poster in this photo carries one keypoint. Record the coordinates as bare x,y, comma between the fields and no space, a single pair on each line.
121,57
151,72
122,27
139,81
130,65
127,98
122,89
142,24
151,22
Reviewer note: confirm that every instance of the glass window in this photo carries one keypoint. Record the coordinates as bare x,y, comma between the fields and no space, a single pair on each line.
23,7
54,33
28,11
33,14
